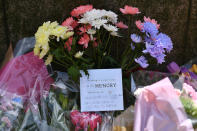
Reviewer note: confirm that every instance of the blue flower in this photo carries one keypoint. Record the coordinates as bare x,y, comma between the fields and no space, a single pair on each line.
150,28
165,41
132,46
156,51
142,62
136,38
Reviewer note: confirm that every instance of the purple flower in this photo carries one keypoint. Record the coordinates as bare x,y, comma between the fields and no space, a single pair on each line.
142,62
184,70
193,75
156,51
136,38
173,67
151,29
164,41
132,46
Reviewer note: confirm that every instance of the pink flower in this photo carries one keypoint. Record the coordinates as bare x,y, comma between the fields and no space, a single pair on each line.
94,120
68,43
85,119
129,10
84,29
190,91
70,23
147,19
7,121
75,117
121,25
139,24
84,40
81,10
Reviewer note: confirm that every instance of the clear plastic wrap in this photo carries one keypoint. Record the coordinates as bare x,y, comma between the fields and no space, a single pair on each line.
21,82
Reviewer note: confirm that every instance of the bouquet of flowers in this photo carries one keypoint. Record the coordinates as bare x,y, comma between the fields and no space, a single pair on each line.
84,41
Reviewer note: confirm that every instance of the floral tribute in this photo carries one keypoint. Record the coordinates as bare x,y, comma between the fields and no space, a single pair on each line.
85,40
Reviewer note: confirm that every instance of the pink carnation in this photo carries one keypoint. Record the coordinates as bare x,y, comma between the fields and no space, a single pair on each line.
70,23
68,43
84,40
129,10
81,10
84,29
147,19
121,25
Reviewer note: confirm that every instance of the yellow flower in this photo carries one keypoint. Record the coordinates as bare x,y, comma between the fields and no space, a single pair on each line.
42,38
59,31
36,50
44,51
49,59
194,68
78,54
67,35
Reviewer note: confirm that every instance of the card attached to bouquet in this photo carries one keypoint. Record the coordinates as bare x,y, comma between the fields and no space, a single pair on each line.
102,90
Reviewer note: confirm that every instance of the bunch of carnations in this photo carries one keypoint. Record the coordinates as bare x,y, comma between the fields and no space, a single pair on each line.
85,120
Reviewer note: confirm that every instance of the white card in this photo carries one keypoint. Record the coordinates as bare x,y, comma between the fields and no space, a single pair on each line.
102,91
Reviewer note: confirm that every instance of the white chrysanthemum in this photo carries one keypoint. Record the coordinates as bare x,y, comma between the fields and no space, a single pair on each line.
98,16
110,28
111,16
98,23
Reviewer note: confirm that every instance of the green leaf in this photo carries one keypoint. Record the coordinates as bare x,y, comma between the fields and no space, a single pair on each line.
74,73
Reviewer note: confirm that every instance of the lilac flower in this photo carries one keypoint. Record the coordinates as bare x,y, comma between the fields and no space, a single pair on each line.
136,38
173,67
164,41
132,46
148,40
142,62
151,29
156,51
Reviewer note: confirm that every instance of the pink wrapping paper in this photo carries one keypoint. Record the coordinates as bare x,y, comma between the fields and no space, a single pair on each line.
26,76
158,108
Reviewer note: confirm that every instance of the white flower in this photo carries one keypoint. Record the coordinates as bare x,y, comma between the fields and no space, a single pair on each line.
98,23
91,31
97,17
138,91
115,34
78,54
110,28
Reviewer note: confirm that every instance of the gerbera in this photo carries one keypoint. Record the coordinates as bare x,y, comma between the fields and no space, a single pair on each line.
153,21
84,40
81,10
121,25
129,10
